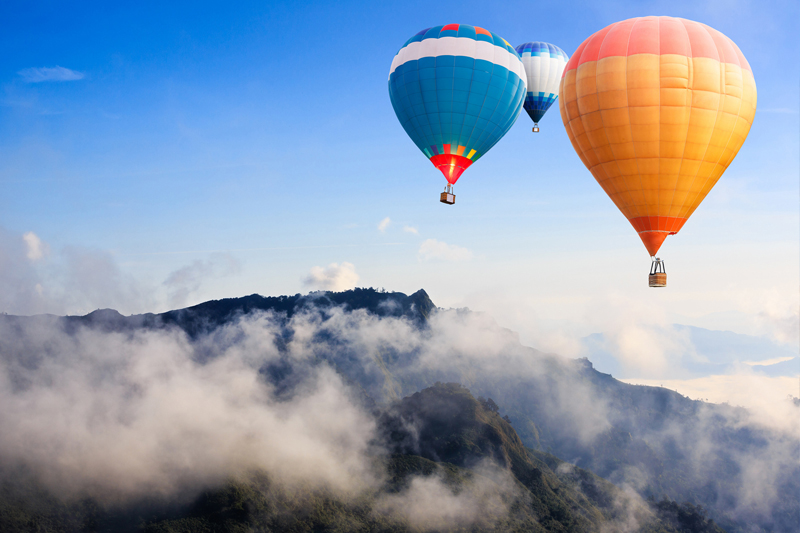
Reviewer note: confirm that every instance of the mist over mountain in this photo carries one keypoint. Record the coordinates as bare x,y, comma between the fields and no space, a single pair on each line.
326,398
704,353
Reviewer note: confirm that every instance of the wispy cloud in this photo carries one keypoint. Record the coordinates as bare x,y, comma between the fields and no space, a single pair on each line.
433,249
185,281
36,248
384,224
334,277
431,504
41,74
411,229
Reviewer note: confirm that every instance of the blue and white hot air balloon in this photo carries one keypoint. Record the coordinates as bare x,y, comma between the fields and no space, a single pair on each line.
456,89
544,63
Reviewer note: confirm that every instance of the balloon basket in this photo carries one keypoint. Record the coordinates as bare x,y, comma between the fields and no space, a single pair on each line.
535,128
658,273
447,197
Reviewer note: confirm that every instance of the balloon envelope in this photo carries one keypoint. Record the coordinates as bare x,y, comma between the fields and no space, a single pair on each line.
456,89
544,63
657,108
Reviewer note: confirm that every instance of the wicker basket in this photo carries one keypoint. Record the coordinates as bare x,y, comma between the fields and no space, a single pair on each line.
659,279
447,198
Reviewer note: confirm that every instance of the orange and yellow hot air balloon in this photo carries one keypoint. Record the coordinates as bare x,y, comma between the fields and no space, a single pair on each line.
657,108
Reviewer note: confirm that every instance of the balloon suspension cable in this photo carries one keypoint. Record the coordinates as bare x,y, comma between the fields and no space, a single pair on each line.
657,266
658,273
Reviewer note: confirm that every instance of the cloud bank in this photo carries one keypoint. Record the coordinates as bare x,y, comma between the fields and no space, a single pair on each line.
116,416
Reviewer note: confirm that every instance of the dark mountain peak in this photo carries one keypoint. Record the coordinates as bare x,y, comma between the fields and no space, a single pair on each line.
422,302
104,317
104,314
447,423
101,319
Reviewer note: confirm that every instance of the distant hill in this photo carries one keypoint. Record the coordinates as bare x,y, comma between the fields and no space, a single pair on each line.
714,353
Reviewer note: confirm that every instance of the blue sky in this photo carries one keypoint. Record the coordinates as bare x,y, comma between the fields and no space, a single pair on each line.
204,150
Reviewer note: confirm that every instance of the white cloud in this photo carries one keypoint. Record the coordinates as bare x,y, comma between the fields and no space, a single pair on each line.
430,504
648,351
187,280
36,248
765,397
783,325
334,277
767,362
410,229
114,416
72,280
40,74
433,249
384,224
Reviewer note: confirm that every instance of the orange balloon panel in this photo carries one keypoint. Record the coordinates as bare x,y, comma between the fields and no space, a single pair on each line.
657,108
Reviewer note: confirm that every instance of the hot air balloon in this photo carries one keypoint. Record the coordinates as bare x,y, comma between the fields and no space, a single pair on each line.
657,108
544,63
456,89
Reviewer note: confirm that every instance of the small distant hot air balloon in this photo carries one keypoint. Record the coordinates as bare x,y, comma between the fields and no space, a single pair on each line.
657,108
456,89
544,63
